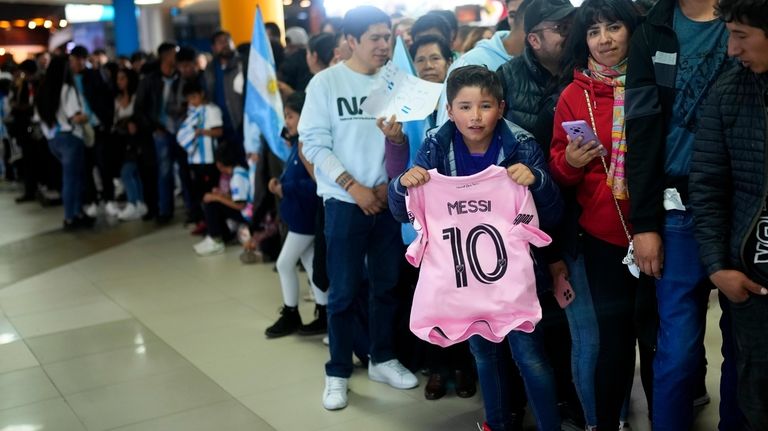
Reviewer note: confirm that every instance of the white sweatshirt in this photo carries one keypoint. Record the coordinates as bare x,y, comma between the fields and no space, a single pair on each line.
337,135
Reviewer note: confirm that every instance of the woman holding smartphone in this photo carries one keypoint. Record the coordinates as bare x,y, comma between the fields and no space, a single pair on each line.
596,51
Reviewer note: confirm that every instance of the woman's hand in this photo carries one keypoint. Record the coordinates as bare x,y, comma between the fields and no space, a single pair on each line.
579,155
391,129
275,187
414,177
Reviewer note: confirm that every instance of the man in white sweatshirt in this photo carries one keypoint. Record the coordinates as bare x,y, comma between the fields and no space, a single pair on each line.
347,150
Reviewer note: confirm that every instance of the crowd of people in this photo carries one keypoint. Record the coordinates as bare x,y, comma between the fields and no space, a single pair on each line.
639,131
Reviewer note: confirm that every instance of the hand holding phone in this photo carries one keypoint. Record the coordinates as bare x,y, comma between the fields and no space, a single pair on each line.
563,291
580,128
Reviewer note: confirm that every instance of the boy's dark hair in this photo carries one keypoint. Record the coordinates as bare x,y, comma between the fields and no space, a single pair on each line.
358,20
165,48
79,51
575,49
219,34
192,87
431,21
474,76
323,44
429,39
186,54
450,18
295,102
225,156
753,13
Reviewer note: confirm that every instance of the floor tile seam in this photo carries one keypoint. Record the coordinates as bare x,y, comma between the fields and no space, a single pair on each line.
101,352
26,404
58,308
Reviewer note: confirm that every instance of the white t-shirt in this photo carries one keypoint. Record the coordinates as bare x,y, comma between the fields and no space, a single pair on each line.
69,106
337,135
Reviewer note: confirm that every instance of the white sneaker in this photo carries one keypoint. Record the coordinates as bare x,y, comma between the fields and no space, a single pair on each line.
209,247
141,208
112,209
335,393
392,373
326,340
130,212
92,210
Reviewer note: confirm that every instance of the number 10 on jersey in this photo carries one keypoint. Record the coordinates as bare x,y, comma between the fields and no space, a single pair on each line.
458,246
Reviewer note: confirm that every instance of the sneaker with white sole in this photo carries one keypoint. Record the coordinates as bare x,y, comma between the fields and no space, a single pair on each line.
326,340
209,247
130,212
392,373
141,207
112,209
335,393
91,210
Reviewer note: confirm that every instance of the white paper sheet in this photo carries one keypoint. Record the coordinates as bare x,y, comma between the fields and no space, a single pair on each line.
405,96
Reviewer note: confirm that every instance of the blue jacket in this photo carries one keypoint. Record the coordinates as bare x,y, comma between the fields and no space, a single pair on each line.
298,207
518,146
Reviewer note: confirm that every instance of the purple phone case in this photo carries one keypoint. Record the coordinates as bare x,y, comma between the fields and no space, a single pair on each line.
577,128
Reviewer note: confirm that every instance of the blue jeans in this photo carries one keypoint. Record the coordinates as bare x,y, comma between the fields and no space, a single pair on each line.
134,190
539,379
70,151
585,337
164,144
682,299
351,237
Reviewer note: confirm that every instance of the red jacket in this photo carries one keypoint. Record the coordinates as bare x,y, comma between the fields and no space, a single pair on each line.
599,217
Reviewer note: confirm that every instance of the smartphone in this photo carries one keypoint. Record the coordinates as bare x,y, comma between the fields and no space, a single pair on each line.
563,291
580,128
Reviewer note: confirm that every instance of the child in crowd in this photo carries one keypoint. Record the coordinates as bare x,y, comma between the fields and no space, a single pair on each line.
198,136
219,206
298,208
473,140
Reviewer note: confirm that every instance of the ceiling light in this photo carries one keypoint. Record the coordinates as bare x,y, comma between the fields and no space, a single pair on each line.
305,3
63,23
146,2
47,24
287,2
19,23
31,25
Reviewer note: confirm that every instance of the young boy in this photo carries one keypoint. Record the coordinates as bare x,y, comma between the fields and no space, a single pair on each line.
472,140
198,136
220,207
728,197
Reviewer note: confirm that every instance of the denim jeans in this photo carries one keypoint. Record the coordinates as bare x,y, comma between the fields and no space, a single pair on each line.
164,147
750,327
682,298
585,337
134,191
539,379
351,237
70,151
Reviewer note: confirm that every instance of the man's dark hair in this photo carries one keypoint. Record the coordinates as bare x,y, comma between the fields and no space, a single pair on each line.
219,34
165,48
358,20
450,18
273,28
575,49
192,87
79,51
323,44
138,55
99,51
753,13
431,21
474,76
186,54
429,39
295,102
28,66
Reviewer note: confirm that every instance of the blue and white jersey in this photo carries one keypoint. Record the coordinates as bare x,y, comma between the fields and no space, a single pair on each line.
240,185
199,148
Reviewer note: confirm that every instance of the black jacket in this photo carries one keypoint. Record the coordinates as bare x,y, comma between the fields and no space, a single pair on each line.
728,171
149,98
99,96
650,94
526,84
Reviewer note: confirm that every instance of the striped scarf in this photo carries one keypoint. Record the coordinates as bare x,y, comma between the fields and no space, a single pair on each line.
615,77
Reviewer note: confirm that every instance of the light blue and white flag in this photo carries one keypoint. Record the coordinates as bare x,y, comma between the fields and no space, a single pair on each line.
263,105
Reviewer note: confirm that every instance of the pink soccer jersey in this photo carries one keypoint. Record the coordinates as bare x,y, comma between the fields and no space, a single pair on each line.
473,246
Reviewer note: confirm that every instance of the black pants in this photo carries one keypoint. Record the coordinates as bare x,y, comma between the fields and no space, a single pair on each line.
203,178
614,292
750,325
216,215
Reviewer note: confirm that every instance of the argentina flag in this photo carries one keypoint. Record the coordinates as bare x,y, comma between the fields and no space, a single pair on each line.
263,105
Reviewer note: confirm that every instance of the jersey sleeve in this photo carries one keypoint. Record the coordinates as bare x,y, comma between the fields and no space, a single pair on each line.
214,117
239,187
414,202
526,223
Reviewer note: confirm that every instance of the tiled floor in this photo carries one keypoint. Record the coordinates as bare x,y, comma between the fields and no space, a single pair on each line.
125,329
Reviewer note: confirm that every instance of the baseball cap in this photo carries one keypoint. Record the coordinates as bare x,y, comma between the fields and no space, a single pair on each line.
296,36
546,10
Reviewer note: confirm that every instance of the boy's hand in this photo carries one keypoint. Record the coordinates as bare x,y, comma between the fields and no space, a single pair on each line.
392,129
520,174
578,155
735,285
79,118
414,177
649,253
199,132
366,199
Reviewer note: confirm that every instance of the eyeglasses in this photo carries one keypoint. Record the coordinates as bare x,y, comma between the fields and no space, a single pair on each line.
561,29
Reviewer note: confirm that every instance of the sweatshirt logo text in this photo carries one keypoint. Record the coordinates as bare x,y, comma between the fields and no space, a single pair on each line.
351,106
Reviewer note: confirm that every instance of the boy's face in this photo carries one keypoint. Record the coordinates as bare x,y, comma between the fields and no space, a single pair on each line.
291,121
750,45
373,49
475,113
195,99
